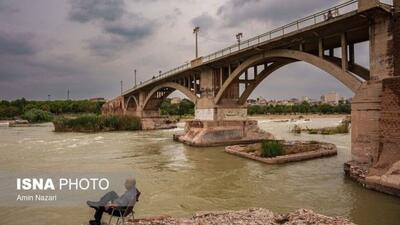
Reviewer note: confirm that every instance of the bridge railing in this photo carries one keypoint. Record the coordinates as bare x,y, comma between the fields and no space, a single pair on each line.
297,25
286,29
159,77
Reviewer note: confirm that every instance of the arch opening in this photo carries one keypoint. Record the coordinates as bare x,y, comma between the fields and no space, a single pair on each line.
131,104
158,94
280,58
283,86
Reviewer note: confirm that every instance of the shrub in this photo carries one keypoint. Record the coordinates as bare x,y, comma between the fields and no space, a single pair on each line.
121,122
343,127
37,116
95,123
8,112
296,129
271,148
312,131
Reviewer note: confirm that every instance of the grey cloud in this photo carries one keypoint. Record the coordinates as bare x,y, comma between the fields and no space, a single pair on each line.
172,18
204,21
88,10
130,32
235,12
6,7
177,11
111,31
16,44
120,36
34,77
120,28
105,47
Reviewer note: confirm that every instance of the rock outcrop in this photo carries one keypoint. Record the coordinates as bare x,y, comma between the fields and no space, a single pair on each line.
388,183
255,216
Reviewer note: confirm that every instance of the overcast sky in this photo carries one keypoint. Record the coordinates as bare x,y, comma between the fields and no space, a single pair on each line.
88,46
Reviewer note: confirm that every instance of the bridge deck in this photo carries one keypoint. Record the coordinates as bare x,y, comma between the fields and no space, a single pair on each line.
307,31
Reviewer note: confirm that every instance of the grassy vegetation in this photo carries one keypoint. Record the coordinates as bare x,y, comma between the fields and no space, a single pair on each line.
96,123
37,116
271,148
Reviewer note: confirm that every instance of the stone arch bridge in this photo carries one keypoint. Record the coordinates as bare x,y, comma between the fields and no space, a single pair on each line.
220,83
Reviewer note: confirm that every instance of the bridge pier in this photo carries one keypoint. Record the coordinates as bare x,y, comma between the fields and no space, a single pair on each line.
133,105
376,109
207,133
220,124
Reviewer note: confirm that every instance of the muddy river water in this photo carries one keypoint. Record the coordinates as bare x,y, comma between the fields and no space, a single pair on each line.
179,180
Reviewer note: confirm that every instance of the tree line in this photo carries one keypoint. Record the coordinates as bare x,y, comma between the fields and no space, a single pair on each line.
17,108
184,108
187,108
344,107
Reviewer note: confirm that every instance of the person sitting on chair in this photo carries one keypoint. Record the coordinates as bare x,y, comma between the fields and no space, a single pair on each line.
111,200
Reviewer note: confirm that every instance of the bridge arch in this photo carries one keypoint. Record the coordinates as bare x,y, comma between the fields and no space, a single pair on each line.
170,85
131,104
280,58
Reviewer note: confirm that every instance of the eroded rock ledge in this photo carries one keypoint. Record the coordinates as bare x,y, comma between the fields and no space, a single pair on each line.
388,183
254,216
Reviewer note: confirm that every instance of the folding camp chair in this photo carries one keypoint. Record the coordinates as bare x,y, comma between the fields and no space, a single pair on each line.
123,212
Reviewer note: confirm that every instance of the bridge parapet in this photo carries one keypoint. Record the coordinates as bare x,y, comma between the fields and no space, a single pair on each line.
196,62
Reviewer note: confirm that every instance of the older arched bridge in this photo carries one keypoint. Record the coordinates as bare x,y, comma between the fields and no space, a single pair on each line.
220,83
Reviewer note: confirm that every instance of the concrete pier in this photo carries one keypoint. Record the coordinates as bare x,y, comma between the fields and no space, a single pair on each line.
221,133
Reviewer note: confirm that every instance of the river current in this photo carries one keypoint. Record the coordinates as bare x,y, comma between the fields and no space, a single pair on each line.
179,180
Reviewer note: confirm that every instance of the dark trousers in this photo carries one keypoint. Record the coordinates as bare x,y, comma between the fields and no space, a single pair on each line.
109,196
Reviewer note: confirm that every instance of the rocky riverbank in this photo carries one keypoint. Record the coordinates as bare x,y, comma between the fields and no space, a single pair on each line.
255,216
388,183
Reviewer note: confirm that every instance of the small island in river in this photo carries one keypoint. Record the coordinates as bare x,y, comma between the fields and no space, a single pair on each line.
279,151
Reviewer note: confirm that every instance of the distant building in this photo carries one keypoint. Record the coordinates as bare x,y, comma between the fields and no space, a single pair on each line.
293,101
331,98
314,102
261,101
251,101
176,100
272,102
279,102
305,99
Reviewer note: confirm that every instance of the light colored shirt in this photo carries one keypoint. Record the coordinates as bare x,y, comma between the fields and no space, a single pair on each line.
127,199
